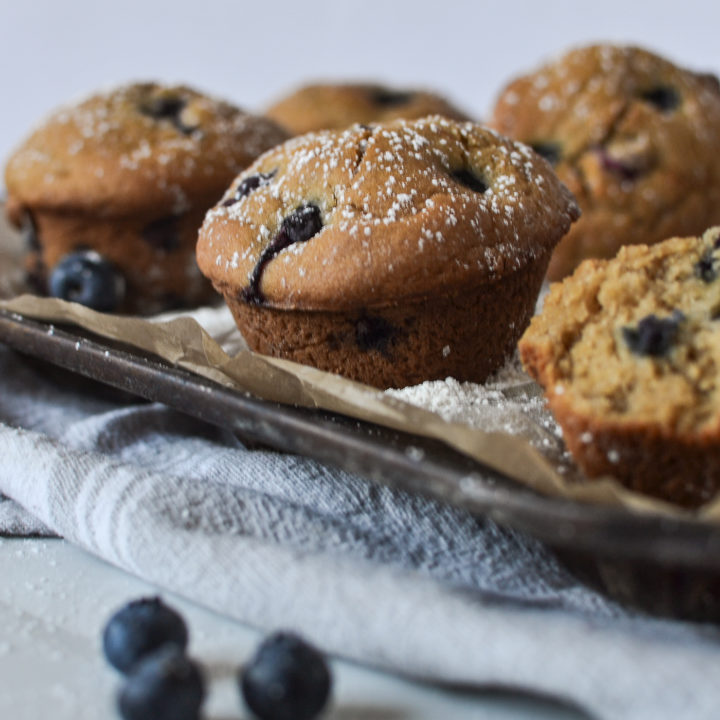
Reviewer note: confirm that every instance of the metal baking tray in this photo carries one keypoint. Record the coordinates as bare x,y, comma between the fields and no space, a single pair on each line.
662,565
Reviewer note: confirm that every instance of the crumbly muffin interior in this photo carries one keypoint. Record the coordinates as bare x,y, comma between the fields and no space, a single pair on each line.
638,338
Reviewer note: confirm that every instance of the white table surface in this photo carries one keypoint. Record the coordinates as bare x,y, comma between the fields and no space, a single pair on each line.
55,599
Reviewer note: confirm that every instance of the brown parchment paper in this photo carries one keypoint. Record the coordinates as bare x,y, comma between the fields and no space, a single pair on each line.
182,341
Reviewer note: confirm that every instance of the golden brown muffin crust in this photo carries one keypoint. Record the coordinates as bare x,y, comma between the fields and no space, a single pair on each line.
632,135
129,174
407,209
139,147
325,106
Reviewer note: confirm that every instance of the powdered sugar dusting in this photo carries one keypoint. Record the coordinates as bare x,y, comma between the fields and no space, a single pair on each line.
508,402
117,132
433,187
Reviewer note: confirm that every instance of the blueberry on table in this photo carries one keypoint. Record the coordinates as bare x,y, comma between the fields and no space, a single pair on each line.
87,278
139,629
166,685
287,679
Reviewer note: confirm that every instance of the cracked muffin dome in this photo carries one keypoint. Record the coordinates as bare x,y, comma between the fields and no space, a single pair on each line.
326,106
111,191
391,254
628,351
632,135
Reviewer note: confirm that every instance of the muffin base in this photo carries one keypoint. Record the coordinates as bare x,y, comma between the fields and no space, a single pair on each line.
467,334
684,470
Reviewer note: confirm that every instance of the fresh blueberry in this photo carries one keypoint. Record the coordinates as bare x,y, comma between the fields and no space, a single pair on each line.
87,278
163,107
299,226
140,628
653,336
662,97
385,97
246,186
166,685
287,679
470,180
549,150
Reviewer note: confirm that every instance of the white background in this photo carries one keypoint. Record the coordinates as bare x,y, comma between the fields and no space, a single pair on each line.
252,52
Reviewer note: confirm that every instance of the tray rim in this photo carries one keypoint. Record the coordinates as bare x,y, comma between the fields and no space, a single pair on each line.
379,454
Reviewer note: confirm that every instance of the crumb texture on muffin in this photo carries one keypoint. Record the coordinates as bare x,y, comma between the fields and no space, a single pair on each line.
628,351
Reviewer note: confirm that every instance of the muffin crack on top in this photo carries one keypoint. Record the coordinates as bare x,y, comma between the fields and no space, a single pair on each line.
383,189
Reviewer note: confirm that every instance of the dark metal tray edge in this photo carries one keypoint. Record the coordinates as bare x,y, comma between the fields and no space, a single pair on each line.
404,461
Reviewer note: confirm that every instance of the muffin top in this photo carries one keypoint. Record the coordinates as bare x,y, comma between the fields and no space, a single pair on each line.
326,106
631,134
140,146
374,214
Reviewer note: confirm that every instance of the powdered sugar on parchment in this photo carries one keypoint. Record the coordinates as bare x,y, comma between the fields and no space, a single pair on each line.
508,402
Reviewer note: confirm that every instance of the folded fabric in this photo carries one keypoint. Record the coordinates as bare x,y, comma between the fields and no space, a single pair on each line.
370,573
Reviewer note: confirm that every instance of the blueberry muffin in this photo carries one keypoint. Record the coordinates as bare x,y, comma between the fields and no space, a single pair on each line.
628,351
633,136
392,253
337,106
110,193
